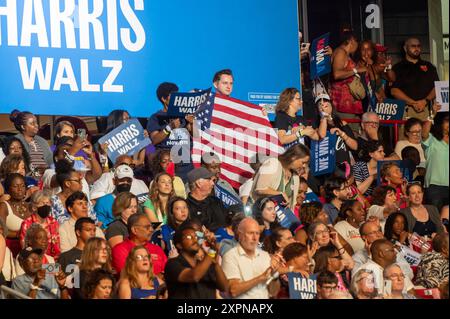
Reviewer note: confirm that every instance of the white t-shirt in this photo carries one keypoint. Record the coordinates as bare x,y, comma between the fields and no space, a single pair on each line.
404,143
350,234
105,185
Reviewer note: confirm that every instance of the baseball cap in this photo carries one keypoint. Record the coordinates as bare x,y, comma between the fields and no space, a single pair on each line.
380,48
25,253
322,96
198,173
123,171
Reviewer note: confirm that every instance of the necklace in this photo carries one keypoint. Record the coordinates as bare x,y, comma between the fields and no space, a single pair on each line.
19,208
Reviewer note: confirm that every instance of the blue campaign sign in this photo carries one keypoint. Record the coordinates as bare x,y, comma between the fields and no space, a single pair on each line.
182,104
300,287
226,197
127,139
323,155
389,109
142,198
285,216
86,57
320,63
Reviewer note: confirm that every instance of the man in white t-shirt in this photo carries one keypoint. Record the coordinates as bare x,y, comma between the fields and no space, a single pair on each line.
105,184
247,267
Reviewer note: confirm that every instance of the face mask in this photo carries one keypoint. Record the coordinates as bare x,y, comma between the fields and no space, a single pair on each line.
123,188
44,211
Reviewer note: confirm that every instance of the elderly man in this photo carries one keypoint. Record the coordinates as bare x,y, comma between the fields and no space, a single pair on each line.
212,163
105,184
247,267
202,205
370,125
140,230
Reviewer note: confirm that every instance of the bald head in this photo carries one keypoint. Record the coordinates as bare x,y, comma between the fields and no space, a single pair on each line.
123,159
249,234
383,252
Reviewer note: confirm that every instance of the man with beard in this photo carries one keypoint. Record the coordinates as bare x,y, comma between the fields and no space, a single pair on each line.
414,82
196,272
123,178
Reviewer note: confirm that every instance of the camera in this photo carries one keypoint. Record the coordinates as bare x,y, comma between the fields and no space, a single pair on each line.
51,269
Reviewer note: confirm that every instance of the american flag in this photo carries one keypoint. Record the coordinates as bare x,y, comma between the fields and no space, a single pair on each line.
236,131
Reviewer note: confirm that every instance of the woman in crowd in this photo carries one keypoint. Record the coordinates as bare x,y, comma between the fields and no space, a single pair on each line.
15,210
63,128
41,208
178,213
422,219
395,274
384,203
310,213
41,156
392,175
326,236
281,175
413,134
363,285
125,205
328,258
436,153
278,240
301,196
15,163
7,265
433,267
99,285
353,215
344,71
70,182
96,255
13,145
162,163
396,228
331,122
366,170
137,280
246,188
344,170
265,215
291,127
161,191
36,237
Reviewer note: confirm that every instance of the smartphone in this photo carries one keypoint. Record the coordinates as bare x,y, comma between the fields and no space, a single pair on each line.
81,132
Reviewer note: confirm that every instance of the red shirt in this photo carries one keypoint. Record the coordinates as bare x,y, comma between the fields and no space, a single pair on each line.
120,253
51,226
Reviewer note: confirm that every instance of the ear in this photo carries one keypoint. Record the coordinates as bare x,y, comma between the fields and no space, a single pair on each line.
215,84
404,48
77,233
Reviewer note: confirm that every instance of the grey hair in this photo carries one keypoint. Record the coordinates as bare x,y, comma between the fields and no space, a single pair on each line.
31,232
365,116
357,277
241,224
388,268
38,196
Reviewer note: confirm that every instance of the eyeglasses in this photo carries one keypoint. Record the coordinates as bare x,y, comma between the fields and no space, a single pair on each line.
416,132
366,278
142,257
190,237
372,123
321,232
375,232
328,287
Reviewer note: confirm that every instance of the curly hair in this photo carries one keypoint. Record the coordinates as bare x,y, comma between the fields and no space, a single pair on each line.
309,212
93,280
379,194
155,163
11,164
8,142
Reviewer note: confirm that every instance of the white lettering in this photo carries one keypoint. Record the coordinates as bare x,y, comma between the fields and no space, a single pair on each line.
56,18
10,12
65,67
85,86
28,28
87,19
29,76
135,24
116,67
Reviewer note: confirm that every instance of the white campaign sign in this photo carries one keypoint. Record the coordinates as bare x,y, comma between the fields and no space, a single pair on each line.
442,94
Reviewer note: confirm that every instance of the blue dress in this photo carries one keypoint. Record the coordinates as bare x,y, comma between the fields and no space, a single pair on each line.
138,293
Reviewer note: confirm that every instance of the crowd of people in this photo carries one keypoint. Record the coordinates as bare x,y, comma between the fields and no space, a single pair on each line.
149,226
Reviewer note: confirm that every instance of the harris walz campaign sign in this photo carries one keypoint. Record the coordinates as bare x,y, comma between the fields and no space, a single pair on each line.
285,216
226,197
300,287
323,155
320,64
127,139
389,109
182,104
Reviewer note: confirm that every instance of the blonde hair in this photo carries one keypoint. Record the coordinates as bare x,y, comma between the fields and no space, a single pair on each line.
130,271
122,202
154,194
90,254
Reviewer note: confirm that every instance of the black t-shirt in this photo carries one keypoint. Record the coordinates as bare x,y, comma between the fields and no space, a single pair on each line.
116,228
209,211
363,144
179,136
204,289
415,80
70,257
285,122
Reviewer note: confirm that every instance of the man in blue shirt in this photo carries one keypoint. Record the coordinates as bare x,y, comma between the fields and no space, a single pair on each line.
336,192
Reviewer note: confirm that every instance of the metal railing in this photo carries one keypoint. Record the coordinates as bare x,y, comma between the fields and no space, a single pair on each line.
7,293
396,123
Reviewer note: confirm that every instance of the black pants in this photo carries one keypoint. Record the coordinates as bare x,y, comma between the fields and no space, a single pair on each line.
437,196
